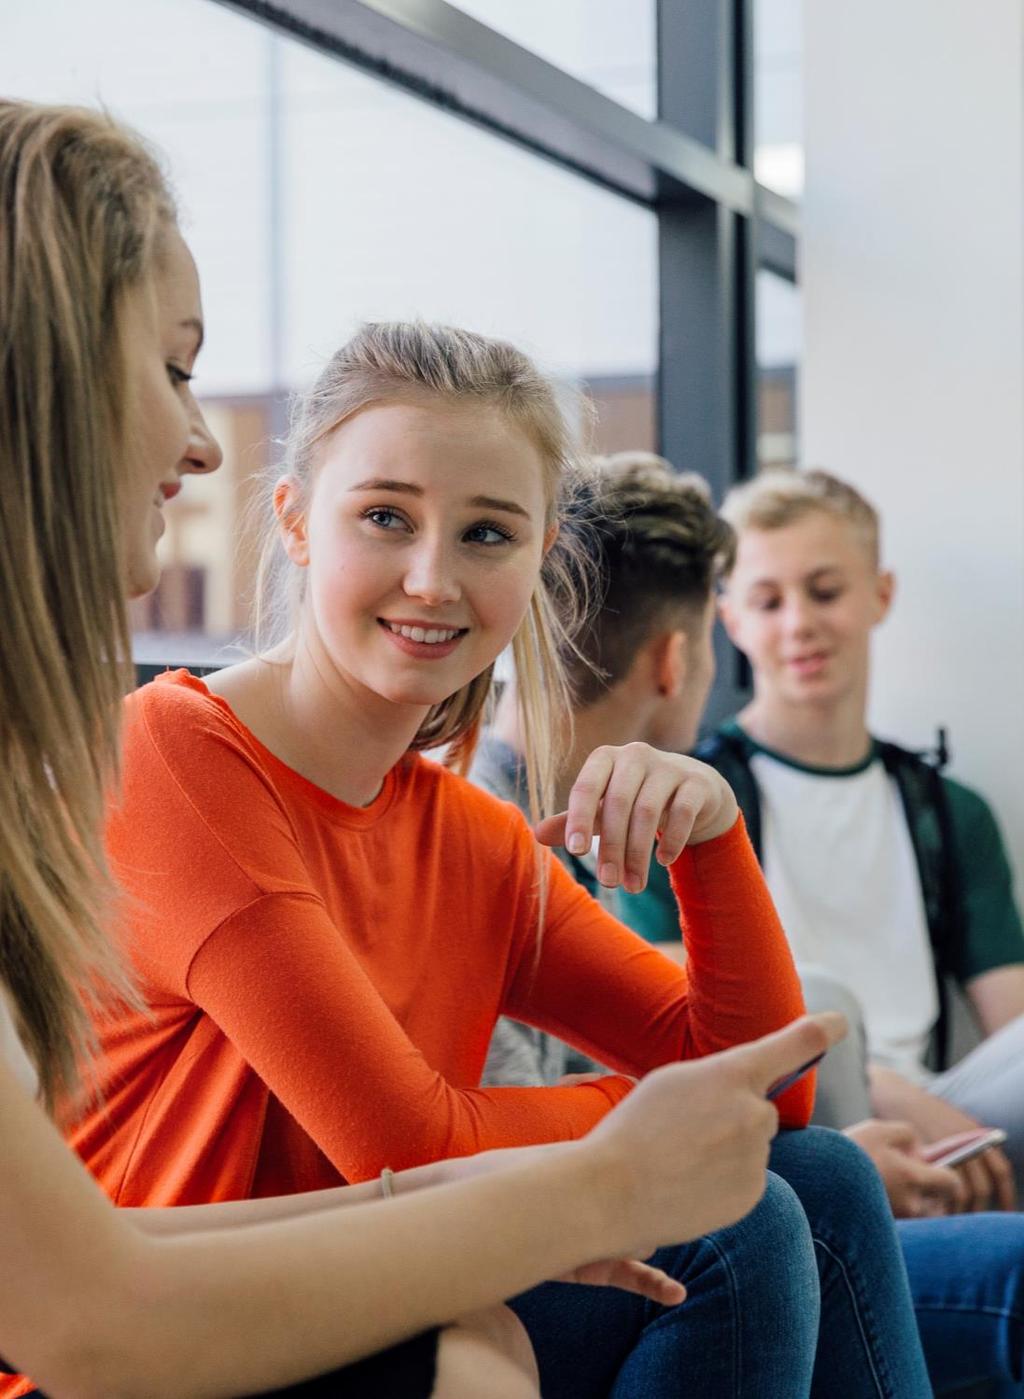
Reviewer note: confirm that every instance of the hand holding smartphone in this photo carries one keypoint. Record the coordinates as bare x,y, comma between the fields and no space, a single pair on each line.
781,1084
962,1147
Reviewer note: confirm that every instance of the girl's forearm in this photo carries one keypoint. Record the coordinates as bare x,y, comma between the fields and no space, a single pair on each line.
267,1305
197,1219
97,1309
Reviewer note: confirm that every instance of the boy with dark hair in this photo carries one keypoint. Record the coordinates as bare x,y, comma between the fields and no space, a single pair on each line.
641,671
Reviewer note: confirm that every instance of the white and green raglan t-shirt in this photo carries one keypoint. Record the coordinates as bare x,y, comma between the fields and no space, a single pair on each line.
840,864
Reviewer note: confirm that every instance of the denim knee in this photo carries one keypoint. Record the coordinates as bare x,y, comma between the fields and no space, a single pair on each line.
772,1244
836,1181
778,1221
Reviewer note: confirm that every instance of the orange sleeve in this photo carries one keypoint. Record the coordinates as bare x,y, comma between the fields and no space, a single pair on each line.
601,987
292,998
234,923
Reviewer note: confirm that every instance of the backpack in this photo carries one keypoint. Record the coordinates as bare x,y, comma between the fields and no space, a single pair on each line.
918,778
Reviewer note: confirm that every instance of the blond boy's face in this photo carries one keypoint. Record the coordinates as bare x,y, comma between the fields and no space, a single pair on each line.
801,604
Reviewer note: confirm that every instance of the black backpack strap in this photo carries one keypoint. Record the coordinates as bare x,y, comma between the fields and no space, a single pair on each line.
729,755
918,778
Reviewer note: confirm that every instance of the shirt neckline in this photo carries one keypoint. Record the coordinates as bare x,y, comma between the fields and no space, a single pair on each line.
325,802
734,728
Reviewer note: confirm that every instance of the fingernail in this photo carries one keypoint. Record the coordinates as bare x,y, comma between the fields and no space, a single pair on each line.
608,873
633,883
577,843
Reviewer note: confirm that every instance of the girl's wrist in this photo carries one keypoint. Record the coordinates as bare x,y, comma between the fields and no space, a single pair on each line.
601,1188
720,822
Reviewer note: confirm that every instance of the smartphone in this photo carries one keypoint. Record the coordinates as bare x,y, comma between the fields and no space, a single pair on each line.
781,1084
954,1151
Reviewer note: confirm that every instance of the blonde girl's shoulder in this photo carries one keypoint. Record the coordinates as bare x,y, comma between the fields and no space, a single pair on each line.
490,822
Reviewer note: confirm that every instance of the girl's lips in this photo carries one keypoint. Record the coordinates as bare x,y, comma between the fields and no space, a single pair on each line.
422,650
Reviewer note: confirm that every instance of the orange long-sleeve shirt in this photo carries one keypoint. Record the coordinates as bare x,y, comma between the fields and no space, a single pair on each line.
324,979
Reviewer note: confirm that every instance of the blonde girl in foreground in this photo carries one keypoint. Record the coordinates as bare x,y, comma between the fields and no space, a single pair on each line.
101,327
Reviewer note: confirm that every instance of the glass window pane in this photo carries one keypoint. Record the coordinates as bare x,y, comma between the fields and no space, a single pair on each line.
314,197
609,44
778,367
778,96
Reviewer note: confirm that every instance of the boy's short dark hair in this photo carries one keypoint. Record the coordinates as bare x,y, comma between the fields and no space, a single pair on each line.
656,544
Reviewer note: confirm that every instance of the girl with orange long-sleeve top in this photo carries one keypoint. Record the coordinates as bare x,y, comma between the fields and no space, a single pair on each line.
326,925
324,978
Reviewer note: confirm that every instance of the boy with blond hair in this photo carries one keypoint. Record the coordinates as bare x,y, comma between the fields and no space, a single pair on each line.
890,878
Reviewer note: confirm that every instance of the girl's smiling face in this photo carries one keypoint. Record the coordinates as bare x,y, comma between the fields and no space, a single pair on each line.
424,537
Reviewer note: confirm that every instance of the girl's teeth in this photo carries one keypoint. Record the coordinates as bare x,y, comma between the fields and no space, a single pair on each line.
432,635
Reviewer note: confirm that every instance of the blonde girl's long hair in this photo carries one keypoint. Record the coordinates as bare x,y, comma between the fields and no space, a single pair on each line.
82,204
398,361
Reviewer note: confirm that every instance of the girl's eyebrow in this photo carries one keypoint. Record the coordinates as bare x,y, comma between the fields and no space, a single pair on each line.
484,502
381,483
488,502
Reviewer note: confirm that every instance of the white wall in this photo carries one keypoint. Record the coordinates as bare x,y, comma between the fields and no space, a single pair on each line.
914,350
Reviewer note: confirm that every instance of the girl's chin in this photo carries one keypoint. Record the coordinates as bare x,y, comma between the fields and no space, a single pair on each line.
143,574
417,696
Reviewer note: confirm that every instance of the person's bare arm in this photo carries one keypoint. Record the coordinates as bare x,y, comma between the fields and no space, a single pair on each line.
997,997
97,1309
192,1219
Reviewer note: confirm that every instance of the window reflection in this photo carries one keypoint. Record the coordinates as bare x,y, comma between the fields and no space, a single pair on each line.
778,362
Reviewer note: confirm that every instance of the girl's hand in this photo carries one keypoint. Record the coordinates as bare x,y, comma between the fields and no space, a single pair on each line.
685,1153
629,1275
627,796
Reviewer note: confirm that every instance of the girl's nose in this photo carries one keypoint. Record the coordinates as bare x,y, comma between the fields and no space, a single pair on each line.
203,452
431,575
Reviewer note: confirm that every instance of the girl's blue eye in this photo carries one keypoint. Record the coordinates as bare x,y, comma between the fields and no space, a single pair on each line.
498,534
178,376
382,517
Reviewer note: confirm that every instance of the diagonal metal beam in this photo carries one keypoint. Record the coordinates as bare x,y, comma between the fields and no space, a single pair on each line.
433,49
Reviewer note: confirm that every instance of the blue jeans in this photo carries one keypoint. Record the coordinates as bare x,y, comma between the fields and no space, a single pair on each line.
967,1280
748,1326
869,1343
821,1246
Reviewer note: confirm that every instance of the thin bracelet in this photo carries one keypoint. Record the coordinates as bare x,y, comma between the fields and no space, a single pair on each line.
387,1184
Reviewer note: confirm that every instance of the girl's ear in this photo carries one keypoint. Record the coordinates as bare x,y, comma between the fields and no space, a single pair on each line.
291,521
550,535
